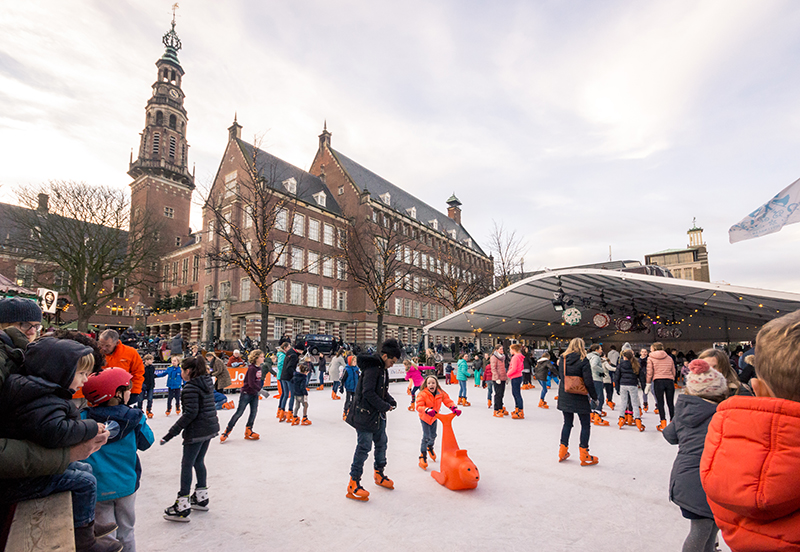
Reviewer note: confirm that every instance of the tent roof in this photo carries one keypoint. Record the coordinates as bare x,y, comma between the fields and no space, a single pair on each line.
700,310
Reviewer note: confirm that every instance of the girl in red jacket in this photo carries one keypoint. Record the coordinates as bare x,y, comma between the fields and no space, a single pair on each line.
428,402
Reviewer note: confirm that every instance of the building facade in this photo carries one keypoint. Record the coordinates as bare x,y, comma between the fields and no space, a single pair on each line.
690,263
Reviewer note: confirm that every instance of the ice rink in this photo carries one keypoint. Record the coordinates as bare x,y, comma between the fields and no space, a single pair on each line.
287,490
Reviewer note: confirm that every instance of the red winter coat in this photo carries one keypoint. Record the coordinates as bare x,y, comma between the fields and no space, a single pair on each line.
750,471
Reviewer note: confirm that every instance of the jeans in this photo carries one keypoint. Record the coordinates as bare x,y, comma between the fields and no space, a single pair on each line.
490,388
364,443
121,511
414,393
147,393
462,388
543,394
244,400
194,455
348,399
335,386
630,392
566,429
77,478
663,387
286,394
597,405
499,391
428,437
516,385
219,399
176,394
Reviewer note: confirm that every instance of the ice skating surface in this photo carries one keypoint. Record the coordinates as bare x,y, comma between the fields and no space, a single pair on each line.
286,491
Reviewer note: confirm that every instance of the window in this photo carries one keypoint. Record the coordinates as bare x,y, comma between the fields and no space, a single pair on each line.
175,273
169,212
342,235
329,328
153,266
178,241
434,224
159,118
327,268
327,298
185,271
313,262
386,198
299,225
156,141
118,288
398,307
412,212
207,293
313,229
320,198
416,309
173,122
312,297
244,289
313,327
242,327
151,291
172,145
407,252
398,254
195,268
341,270
341,190
193,296
328,236
279,249
291,185
298,327
224,290
341,300
297,293
61,281
279,292
297,258
281,219
279,328
248,217
407,307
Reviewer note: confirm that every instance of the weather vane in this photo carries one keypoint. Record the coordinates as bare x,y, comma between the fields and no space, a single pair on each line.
171,40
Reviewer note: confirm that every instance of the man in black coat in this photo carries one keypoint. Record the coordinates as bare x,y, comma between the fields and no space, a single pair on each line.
368,416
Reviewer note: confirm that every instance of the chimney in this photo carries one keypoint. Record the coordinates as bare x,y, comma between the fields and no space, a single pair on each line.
235,130
43,200
453,209
325,137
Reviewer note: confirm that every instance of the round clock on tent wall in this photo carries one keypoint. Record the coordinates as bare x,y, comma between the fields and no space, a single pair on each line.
572,316
624,325
601,320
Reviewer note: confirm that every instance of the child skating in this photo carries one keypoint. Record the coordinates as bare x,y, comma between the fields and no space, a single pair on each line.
429,400
414,376
174,384
248,396
462,375
300,392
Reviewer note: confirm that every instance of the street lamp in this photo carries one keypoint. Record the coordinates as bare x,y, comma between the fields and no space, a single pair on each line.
212,305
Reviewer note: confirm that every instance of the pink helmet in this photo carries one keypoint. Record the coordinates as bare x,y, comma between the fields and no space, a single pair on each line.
102,386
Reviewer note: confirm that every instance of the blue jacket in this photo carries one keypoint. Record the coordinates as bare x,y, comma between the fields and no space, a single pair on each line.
174,379
350,378
462,373
116,465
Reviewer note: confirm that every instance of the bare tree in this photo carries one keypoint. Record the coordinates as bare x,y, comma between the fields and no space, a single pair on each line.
252,222
508,251
89,233
458,280
375,250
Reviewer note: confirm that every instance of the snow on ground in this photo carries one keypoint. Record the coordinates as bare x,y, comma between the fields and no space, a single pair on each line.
286,491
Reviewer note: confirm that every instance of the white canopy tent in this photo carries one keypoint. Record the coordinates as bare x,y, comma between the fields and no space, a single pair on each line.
656,309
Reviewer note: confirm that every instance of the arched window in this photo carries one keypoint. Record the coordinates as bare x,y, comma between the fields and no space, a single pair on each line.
172,75
156,142
172,147
173,122
159,118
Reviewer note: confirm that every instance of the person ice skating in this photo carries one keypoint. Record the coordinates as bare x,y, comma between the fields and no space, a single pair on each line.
594,356
448,374
222,380
544,368
148,385
515,368
335,373
427,404
487,379
705,389
462,375
349,382
281,356
321,371
267,371
199,424
643,354
751,457
626,381
300,393
116,466
413,375
497,367
661,375
477,368
574,364
612,358
248,397
174,384
290,362
368,416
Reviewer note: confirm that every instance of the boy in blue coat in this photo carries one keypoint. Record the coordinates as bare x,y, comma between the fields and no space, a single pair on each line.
349,379
174,385
116,466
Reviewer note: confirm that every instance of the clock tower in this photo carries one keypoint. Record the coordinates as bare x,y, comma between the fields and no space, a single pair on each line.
162,183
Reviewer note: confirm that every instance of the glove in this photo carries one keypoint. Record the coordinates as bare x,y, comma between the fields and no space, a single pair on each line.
497,382
164,439
456,411
647,388
430,412
162,442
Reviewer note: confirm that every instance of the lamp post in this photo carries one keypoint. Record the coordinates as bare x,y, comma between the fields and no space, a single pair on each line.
211,306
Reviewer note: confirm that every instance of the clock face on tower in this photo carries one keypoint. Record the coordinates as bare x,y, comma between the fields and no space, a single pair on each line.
174,93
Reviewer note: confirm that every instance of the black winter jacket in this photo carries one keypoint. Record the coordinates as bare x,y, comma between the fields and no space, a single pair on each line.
372,399
624,374
688,430
544,367
198,419
299,382
150,376
290,363
575,366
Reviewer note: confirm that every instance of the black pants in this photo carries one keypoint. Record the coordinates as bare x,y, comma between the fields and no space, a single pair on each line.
194,455
499,391
586,428
526,378
662,387
609,391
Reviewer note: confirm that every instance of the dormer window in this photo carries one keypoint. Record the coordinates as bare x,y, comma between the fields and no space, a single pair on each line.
468,242
412,212
320,198
434,224
291,185
452,234
386,198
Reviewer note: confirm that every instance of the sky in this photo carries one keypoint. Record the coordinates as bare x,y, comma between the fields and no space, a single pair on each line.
586,127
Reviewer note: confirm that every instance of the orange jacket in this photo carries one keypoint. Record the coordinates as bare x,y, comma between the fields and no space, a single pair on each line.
426,400
749,470
129,360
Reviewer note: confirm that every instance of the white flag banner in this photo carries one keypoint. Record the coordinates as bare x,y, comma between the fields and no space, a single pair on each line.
779,211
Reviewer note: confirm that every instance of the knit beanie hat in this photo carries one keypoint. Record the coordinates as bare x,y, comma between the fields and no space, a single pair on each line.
703,380
18,309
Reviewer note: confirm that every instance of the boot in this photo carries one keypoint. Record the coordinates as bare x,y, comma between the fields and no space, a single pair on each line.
228,405
280,413
521,414
554,398
224,436
432,454
167,412
563,453
356,491
639,424
655,410
621,422
149,414
661,426
382,480
543,404
498,413
101,530
305,421
515,414
640,411
611,404
199,499
423,462
177,410
321,388
249,435
490,403
597,420
85,541
646,407
466,402
333,394
344,416
587,459
602,413
411,407
336,397
629,418
180,510
295,421
504,411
